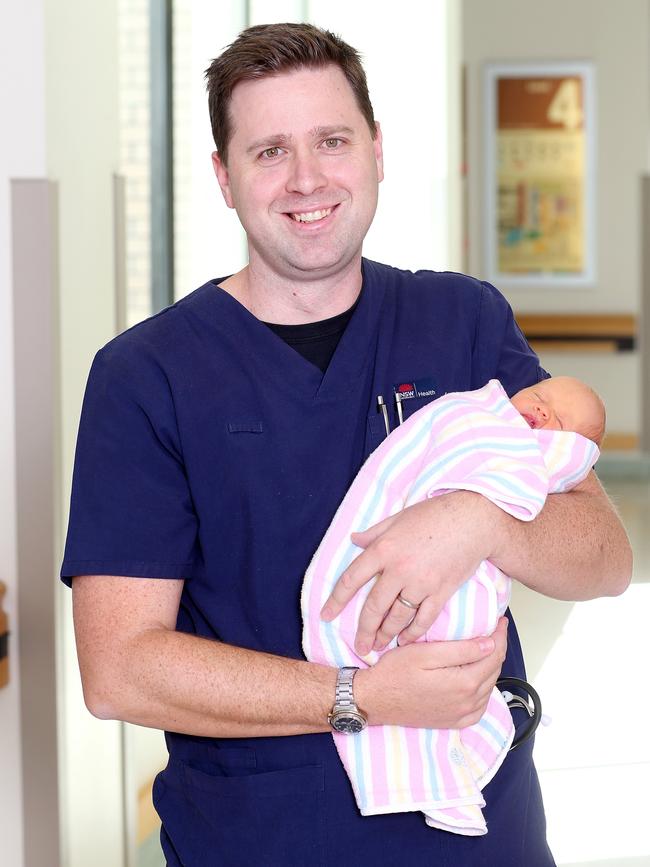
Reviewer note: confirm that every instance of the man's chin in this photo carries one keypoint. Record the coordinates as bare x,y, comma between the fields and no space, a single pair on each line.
316,265
323,268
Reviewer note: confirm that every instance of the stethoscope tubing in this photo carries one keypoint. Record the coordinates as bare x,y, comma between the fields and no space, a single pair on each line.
534,713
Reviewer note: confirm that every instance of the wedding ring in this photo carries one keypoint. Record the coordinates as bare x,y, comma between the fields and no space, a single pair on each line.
408,604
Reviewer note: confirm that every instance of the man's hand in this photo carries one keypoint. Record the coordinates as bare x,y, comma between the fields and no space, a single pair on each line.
425,553
575,549
442,685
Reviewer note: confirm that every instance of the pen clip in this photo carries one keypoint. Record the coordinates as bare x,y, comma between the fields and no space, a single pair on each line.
398,406
381,406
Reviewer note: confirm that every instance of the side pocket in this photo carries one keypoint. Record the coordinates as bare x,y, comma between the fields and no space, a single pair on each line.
229,821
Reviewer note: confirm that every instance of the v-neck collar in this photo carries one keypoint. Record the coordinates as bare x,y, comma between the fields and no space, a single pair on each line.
283,364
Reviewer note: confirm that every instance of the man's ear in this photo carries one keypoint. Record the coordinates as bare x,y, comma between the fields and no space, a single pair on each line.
223,178
379,153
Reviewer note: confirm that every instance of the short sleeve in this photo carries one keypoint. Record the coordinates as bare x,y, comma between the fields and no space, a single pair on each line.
131,511
501,350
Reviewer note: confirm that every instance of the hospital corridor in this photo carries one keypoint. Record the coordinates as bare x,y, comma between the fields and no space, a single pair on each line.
512,174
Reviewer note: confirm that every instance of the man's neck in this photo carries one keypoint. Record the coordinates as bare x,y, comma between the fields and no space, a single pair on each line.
292,302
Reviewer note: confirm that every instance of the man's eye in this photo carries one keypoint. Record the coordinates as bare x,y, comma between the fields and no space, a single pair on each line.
332,143
270,153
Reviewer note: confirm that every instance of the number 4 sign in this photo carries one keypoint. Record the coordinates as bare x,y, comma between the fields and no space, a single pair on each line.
539,174
566,105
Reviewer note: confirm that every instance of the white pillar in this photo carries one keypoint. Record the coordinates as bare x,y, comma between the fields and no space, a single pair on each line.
81,52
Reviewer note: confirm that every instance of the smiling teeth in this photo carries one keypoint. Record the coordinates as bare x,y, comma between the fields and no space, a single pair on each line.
311,216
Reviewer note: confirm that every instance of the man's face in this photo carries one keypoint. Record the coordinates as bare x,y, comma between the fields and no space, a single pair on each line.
302,172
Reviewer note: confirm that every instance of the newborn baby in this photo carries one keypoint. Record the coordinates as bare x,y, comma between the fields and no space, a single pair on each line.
562,403
514,452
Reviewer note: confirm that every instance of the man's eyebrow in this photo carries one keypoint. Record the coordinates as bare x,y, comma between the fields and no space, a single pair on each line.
281,139
329,131
270,141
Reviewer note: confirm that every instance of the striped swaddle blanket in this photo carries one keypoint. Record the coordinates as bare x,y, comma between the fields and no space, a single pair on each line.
474,441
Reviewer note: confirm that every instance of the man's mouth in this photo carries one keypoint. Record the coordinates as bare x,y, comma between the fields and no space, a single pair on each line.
311,216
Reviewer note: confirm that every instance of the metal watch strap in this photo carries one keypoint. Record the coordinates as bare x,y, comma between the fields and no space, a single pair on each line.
344,697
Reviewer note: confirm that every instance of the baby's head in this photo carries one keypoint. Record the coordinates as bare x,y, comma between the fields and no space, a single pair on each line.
563,403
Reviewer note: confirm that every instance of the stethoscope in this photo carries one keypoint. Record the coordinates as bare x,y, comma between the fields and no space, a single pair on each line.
532,704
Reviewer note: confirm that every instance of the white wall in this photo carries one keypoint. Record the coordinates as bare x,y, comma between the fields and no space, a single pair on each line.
82,154
22,154
209,241
615,37
412,61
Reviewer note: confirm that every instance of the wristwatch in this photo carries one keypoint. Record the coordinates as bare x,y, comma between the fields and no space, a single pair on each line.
346,716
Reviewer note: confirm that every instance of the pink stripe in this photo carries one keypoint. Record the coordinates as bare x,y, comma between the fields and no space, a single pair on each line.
473,740
312,624
498,436
380,789
500,713
416,766
443,765
458,813
343,744
440,628
527,464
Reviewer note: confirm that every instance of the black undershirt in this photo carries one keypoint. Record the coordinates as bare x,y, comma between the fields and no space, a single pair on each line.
315,341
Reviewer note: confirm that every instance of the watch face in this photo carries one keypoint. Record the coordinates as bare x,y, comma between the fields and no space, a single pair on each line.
348,723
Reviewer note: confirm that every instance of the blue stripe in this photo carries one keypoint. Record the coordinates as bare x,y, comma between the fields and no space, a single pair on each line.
502,482
431,764
497,735
358,761
336,647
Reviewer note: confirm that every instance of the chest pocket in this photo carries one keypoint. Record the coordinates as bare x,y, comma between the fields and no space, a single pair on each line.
413,404
375,432
245,427
376,427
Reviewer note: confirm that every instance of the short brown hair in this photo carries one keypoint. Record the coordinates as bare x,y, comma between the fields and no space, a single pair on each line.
269,49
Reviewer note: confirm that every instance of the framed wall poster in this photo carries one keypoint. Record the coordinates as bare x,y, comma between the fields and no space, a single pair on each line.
540,171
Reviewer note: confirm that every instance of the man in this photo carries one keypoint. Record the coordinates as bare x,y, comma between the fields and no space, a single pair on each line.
216,442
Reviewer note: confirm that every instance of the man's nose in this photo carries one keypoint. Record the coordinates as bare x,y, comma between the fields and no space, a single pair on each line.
306,174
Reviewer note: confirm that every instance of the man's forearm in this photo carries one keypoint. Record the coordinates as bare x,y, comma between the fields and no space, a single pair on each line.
191,685
575,549
179,682
135,667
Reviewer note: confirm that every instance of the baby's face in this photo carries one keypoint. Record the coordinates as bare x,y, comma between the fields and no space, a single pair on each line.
561,403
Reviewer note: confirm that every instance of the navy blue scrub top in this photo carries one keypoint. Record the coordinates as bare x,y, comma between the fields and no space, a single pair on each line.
209,450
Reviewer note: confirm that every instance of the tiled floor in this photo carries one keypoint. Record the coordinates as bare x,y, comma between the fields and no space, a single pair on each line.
590,663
